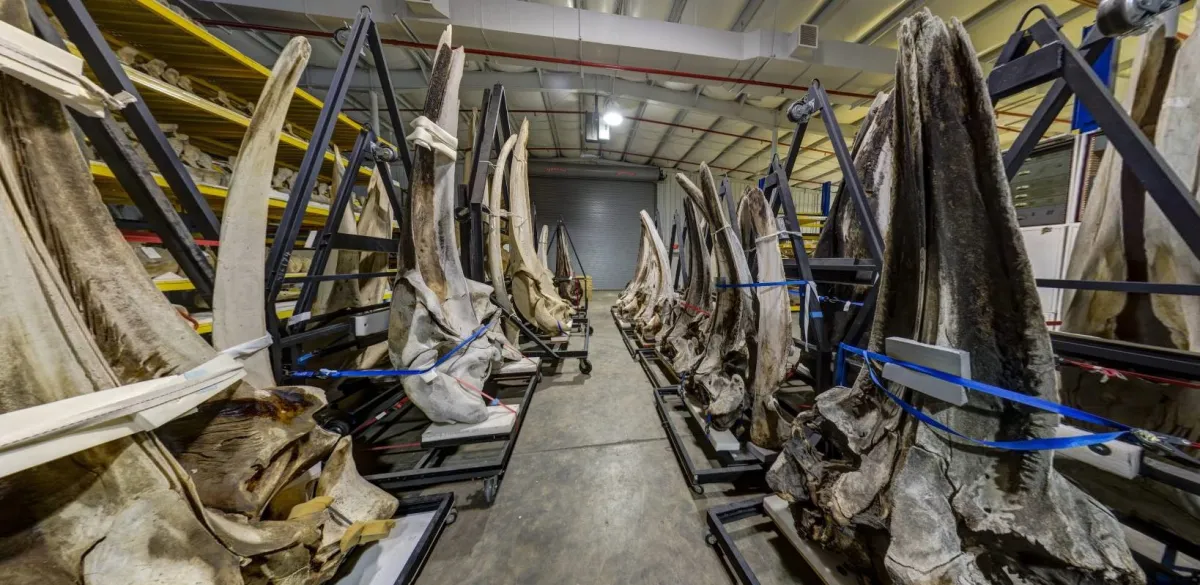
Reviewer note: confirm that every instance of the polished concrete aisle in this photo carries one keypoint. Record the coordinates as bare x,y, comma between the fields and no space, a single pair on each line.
593,494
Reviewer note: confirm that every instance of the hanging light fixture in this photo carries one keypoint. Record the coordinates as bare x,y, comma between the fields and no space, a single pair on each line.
613,118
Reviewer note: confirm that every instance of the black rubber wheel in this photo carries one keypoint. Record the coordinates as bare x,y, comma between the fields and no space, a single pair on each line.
491,486
585,366
591,330
699,489
336,421
711,539
451,516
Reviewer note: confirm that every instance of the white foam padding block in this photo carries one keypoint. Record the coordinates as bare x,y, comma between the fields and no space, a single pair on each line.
945,359
369,323
525,366
824,563
720,440
1120,459
499,420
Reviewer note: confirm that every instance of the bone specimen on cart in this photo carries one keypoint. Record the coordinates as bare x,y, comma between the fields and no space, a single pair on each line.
719,378
496,214
770,342
658,293
625,303
432,310
543,245
1110,247
239,308
533,288
906,502
91,321
568,287
683,341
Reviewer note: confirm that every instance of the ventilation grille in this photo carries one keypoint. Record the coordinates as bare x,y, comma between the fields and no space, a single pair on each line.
808,35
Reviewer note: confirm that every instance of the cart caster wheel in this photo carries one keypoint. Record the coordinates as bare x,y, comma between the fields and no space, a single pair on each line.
591,330
491,486
585,366
711,539
451,516
699,489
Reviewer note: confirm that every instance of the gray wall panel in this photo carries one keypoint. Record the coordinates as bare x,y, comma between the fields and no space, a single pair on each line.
602,217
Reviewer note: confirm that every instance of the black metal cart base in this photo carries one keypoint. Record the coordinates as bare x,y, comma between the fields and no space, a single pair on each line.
719,537
437,462
732,465
442,507
633,343
555,349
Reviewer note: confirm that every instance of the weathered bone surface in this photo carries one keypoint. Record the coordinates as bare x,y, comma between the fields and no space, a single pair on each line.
108,325
626,304
1168,258
1108,249
432,309
683,341
533,284
771,339
656,290
569,289
720,375
496,238
239,307
543,246
909,504
1103,248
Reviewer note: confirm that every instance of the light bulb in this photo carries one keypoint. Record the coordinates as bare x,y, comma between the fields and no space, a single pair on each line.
613,118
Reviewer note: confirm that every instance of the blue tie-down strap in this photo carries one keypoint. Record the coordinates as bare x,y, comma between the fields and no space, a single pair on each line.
762,284
326,373
1140,436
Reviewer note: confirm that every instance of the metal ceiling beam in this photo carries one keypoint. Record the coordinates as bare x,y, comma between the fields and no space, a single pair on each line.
679,116
633,128
698,141
537,22
412,81
729,146
553,127
676,13
749,11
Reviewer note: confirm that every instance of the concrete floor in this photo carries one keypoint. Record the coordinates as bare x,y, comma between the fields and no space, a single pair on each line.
593,494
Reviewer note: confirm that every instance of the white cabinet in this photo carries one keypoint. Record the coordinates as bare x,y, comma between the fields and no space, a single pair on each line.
1047,247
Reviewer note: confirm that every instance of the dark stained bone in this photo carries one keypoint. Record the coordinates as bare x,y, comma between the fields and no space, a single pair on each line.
720,376
569,289
683,341
771,339
432,309
910,504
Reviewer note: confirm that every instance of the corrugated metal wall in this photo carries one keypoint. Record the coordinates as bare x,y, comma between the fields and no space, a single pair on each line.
602,217
670,199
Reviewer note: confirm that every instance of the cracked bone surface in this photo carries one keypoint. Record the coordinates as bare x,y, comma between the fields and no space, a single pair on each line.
1162,101
193,508
771,339
903,501
432,310
683,340
654,286
533,289
720,375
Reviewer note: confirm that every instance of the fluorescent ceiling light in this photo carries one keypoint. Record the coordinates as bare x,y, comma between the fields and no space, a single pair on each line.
613,118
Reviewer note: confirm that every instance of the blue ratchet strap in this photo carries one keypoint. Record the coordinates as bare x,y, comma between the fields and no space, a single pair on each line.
1046,444
326,373
763,284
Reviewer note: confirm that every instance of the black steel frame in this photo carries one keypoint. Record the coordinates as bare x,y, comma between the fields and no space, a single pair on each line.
826,270
444,514
430,469
719,537
493,130
127,166
301,327
581,313
1069,67
731,466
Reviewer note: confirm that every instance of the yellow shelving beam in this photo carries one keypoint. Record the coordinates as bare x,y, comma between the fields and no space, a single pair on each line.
106,181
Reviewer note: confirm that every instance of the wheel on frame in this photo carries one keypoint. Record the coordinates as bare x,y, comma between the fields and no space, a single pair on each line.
451,516
491,486
710,538
699,489
585,366
591,330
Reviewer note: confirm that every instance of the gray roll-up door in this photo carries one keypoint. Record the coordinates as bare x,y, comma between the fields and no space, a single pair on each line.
602,217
